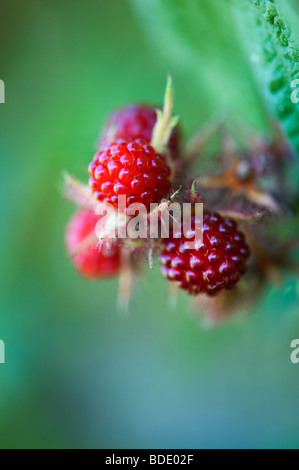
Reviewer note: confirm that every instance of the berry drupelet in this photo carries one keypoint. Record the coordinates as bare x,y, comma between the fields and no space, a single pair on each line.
89,260
131,168
217,263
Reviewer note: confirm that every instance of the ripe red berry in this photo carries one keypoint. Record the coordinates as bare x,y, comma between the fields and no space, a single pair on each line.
90,261
216,264
131,168
136,121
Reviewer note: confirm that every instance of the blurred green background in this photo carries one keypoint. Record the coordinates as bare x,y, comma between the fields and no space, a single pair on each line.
77,373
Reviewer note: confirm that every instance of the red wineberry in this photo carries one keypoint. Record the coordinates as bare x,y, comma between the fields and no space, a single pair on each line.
216,264
136,121
131,168
90,261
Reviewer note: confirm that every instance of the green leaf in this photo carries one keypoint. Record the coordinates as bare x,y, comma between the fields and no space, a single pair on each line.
200,38
241,53
273,51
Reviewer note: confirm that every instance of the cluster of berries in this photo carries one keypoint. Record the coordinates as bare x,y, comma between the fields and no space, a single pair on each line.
140,156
